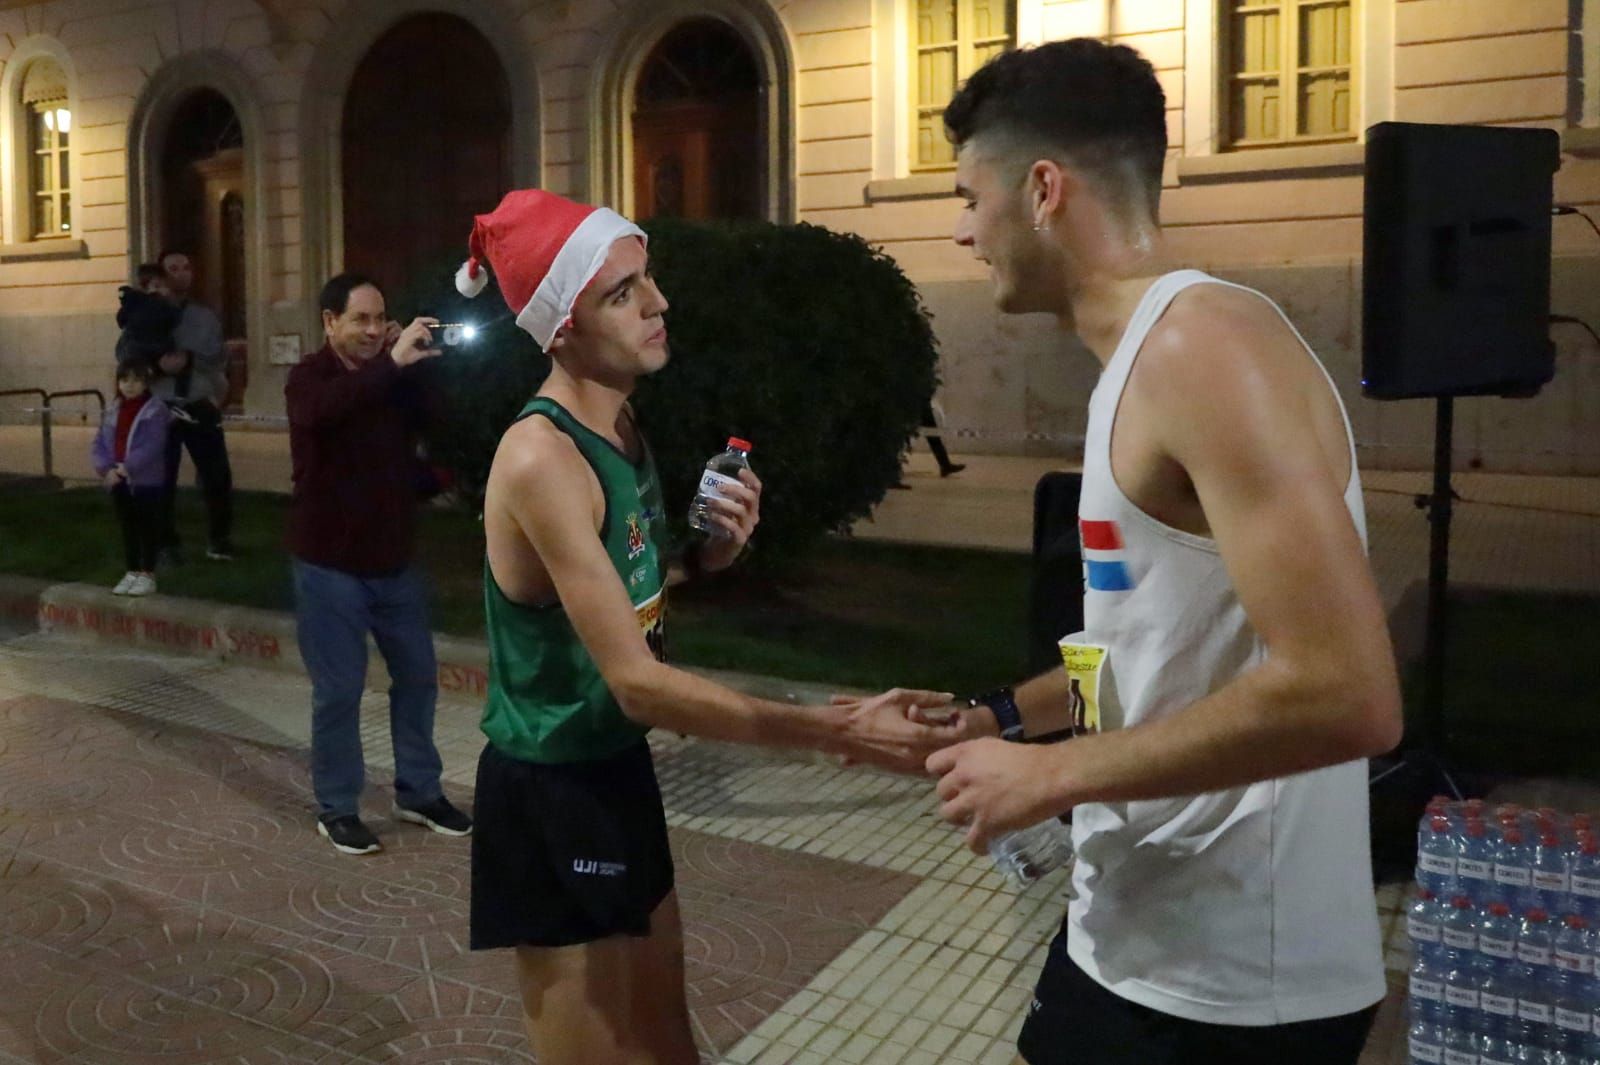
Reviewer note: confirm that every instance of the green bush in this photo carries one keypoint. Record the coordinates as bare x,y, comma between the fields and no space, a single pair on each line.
809,343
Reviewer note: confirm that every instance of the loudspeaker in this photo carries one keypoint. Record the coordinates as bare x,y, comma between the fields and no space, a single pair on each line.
1456,279
1055,599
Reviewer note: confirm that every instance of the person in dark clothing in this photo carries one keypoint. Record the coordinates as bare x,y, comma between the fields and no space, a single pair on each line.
354,412
194,383
936,443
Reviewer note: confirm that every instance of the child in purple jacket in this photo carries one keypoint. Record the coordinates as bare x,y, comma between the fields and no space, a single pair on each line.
130,457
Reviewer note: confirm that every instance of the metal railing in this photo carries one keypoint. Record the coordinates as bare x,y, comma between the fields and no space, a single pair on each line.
46,409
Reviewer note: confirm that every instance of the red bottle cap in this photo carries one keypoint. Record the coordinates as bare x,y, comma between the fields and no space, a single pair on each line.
1476,829
1512,835
1499,909
1538,915
1574,921
742,445
1439,824
1461,902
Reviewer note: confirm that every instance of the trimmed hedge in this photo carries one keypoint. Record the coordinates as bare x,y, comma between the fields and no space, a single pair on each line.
809,343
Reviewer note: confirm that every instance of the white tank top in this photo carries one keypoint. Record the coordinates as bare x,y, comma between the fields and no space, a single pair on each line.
1251,906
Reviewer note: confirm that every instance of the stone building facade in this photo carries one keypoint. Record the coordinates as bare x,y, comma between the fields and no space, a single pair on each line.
284,140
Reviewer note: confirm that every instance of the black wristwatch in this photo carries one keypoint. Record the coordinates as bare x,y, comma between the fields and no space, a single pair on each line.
1002,702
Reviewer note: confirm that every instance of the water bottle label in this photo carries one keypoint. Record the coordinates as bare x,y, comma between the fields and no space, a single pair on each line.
1422,931
1428,1052
1587,886
1546,880
1424,988
1460,940
1485,1059
1460,1057
1504,949
1528,954
1573,962
1513,875
1462,996
1473,869
712,483
1572,1020
1533,1011
1499,1005
1436,863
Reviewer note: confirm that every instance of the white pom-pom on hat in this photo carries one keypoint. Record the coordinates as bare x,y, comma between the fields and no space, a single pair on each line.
471,278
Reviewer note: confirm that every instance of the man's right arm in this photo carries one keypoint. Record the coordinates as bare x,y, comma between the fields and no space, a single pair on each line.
314,400
549,494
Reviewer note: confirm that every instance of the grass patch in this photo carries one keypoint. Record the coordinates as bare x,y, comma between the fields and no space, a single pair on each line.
1522,691
856,614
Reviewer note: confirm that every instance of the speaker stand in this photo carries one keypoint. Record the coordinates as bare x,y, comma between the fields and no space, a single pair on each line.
1422,764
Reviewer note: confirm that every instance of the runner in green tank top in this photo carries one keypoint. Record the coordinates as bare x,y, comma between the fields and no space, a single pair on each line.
570,863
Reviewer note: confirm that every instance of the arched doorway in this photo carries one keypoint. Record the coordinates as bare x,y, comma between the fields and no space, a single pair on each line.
203,213
698,151
426,145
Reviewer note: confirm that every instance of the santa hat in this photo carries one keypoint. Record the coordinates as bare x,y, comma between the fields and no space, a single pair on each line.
545,249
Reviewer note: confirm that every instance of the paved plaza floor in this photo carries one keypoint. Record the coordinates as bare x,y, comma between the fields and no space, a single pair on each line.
164,897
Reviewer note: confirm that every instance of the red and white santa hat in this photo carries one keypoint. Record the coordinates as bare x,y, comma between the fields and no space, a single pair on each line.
544,249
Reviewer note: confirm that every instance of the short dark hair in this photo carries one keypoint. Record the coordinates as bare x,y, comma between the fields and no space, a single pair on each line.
1098,104
336,293
136,368
148,272
167,253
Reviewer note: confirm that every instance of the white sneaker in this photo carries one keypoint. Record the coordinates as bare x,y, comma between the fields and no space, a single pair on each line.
143,584
124,584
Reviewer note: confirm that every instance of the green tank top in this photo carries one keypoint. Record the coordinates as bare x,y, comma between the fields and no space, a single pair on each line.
547,700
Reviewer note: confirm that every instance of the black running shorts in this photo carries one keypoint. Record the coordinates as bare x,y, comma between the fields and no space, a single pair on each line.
1075,1021
566,853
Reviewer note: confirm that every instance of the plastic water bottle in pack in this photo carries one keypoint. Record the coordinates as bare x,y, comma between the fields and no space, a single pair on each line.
1549,872
1426,984
1436,858
1424,926
1460,1045
1535,981
1458,955
1495,1046
1584,878
1475,863
1496,961
1574,987
1029,853
1513,870
722,470
1424,1041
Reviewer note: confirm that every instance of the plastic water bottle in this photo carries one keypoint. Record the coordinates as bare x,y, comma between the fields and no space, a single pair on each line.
1574,986
1550,886
1535,981
1513,870
1029,853
1496,963
1494,1047
1425,1041
1425,926
1426,986
1436,858
1584,879
1461,1019
1475,864
721,471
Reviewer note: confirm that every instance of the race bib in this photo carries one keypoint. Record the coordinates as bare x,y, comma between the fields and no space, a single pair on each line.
1085,664
652,615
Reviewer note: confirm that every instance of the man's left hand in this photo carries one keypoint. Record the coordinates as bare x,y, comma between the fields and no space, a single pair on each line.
737,514
991,787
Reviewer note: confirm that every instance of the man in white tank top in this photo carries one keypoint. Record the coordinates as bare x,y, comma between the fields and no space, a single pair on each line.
1235,668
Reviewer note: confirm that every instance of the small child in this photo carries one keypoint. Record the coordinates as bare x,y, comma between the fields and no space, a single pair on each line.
130,457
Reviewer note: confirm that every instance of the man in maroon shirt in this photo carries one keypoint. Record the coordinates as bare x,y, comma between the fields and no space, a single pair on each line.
354,412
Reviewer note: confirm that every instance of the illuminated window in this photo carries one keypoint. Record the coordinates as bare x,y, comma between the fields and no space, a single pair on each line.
1290,67
49,124
951,40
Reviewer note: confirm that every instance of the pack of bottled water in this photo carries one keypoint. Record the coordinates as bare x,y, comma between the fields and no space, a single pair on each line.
1504,929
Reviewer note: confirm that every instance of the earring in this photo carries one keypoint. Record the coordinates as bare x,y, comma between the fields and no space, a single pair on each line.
1038,227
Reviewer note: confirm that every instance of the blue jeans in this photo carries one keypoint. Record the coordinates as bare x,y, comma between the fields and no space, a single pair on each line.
334,611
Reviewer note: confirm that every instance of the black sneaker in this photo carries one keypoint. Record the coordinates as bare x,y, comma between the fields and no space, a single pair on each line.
438,815
348,834
954,467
